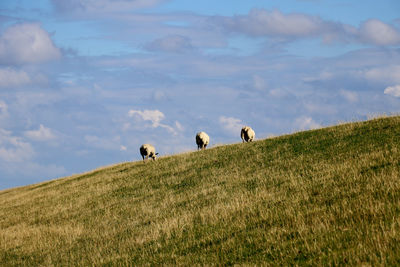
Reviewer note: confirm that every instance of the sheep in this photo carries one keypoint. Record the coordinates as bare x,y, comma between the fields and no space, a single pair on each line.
147,150
247,134
202,140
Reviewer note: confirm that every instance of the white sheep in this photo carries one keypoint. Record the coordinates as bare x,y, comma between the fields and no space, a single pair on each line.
202,140
147,150
247,134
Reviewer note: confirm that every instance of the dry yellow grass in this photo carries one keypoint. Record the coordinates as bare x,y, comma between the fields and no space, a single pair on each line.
324,197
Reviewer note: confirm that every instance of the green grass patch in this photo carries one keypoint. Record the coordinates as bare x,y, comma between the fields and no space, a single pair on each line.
323,197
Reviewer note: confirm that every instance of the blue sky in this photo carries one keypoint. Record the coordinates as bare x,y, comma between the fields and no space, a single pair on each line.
84,83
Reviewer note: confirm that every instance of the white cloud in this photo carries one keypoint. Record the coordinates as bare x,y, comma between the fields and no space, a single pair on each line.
15,78
349,95
233,125
393,90
26,43
155,117
14,149
377,32
42,134
123,148
304,123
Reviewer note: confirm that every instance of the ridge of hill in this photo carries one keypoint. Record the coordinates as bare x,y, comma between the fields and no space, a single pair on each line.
323,197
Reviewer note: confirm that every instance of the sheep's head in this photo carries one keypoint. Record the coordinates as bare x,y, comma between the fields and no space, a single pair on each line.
154,156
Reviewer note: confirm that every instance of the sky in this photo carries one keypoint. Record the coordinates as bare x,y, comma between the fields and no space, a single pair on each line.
84,83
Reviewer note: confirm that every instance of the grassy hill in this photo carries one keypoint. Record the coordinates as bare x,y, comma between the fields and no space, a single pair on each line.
323,197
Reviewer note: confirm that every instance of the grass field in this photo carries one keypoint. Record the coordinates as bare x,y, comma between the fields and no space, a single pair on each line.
323,197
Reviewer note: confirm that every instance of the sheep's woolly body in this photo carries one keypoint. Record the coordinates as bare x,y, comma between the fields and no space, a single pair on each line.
202,140
148,151
247,134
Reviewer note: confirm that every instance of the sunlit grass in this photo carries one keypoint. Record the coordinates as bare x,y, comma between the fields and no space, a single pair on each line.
324,197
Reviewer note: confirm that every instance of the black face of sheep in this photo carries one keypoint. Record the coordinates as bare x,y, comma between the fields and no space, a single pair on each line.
201,146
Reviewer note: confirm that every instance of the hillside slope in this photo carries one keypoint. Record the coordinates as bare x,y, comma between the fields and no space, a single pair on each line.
327,196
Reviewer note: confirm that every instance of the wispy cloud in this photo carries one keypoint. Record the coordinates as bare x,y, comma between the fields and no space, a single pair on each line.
49,171
154,117
13,148
3,109
261,22
10,78
113,143
233,125
350,96
259,83
305,123
289,27
83,7
171,43
387,73
150,71
42,134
